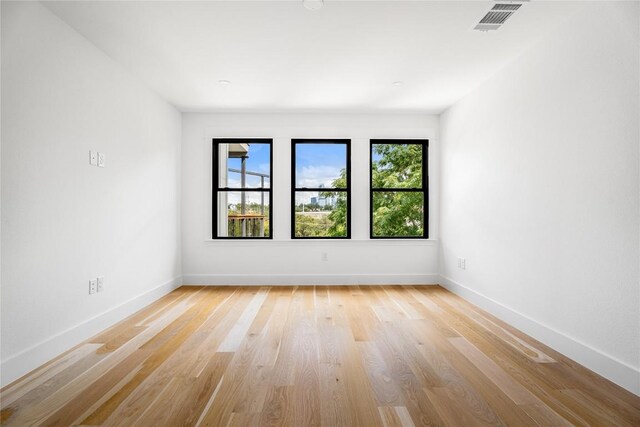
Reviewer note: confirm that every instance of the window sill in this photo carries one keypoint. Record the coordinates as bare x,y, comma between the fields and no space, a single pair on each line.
321,242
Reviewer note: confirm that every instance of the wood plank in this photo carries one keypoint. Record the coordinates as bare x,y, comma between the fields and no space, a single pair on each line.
519,344
389,416
329,356
334,409
385,389
21,388
185,410
360,397
188,361
306,386
152,354
34,412
535,408
240,329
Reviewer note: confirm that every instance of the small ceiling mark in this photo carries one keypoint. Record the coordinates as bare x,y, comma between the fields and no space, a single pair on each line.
313,5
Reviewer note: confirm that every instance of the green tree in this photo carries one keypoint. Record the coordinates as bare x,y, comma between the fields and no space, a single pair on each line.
309,226
338,216
399,166
394,213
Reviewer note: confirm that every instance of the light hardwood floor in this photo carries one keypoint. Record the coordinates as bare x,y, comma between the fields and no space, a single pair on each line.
305,356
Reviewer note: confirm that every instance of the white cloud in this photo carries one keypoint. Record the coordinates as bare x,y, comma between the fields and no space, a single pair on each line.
305,196
263,168
252,181
233,183
314,176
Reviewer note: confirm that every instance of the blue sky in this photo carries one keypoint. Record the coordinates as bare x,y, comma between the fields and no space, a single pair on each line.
375,157
318,164
258,161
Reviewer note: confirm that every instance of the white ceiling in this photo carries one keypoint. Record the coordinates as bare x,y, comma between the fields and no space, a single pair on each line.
280,56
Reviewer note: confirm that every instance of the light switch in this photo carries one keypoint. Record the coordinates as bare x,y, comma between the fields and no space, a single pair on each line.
100,160
93,158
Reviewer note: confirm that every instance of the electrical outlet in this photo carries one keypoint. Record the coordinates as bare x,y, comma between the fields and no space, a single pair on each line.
101,160
462,263
324,257
100,287
93,284
93,158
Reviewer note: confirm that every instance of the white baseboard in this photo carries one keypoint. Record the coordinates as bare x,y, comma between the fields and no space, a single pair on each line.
310,279
23,362
609,367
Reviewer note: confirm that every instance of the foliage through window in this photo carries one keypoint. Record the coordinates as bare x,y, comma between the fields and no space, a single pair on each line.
242,189
399,189
320,189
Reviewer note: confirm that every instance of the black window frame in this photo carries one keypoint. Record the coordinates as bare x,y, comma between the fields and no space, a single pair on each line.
215,177
294,189
424,189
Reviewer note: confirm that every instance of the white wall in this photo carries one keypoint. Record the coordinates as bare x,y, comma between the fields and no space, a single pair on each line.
540,192
65,221
282,260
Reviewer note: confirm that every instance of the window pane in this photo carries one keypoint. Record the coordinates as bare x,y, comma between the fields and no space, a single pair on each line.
321,214
246,216
256,159
398,214
321,165
396,165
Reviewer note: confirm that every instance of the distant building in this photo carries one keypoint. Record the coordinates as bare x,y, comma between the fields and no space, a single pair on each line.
327,201
314,200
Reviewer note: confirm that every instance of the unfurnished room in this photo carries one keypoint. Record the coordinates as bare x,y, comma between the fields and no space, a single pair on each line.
320,213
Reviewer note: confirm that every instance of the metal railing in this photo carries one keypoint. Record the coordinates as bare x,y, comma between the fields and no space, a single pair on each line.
243,224
250,225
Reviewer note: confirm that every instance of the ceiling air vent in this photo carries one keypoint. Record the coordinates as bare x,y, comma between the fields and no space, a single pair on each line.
497,16
512,6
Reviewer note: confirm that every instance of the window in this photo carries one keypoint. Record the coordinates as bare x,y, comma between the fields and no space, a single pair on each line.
320,189
242,189
399,189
